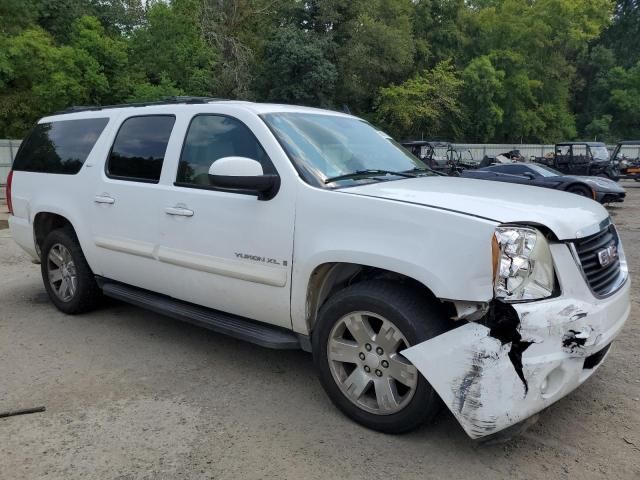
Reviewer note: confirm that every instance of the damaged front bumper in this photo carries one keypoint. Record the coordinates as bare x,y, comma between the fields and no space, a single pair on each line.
499,371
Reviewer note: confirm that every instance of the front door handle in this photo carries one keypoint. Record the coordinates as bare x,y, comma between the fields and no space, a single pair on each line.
106,199
179,211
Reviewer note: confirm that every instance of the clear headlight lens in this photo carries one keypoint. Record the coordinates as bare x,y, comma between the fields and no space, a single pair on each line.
523,267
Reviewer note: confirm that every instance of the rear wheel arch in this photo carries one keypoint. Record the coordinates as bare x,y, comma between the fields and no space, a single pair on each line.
44,223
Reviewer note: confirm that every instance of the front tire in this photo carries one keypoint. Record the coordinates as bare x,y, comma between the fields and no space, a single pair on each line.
581,190
360,333
67,277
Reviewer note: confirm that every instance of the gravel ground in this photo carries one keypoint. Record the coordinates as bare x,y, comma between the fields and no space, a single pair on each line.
131,394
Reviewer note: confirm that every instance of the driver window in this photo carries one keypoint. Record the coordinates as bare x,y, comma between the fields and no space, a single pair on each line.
212,137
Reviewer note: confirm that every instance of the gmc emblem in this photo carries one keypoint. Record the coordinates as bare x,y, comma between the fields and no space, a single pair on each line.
608,255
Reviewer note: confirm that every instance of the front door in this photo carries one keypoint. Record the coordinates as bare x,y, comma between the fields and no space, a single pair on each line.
227,250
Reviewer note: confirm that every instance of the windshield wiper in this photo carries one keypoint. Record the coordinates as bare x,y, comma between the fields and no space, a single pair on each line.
368,173
417,170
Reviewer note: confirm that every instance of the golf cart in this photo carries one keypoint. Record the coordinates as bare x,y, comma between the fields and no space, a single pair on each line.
582,158
439,156
626,157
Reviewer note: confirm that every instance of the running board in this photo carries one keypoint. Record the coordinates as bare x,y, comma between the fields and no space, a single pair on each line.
237,327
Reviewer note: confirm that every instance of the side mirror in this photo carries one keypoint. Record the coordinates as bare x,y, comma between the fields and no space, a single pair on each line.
243,175
529,175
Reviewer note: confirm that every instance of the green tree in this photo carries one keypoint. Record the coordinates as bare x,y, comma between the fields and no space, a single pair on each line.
39,77
482,95
620,90
427,105
16,15
440,30
623,36
296,68
536,44
170,51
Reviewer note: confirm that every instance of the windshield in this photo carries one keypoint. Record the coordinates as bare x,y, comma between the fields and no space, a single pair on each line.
600,153
326,146
544,171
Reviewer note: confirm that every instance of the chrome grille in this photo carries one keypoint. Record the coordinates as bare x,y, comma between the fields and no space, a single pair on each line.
602,280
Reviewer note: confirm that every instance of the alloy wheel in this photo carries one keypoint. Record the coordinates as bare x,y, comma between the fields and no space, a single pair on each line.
363,354
61,269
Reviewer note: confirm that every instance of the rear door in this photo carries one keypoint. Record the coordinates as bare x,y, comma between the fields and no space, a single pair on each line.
128,201
225,249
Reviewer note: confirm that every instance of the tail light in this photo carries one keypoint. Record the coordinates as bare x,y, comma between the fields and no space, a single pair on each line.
8,192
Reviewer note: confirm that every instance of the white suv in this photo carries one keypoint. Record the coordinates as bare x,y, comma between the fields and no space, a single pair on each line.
294,227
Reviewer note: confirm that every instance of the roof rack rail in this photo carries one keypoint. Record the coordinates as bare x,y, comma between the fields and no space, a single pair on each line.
165,101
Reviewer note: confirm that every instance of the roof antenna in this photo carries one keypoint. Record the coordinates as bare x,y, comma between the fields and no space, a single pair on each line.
345,109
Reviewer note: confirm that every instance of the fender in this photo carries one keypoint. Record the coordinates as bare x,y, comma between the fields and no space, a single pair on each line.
431,246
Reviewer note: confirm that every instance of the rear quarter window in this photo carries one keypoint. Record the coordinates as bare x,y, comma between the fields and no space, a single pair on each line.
139,148
59,147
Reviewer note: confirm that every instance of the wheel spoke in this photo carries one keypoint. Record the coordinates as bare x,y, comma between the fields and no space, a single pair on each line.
56,258
62,289
359,328
66,255
357,383
388,337
386,394
55,275
402,371
341,350
73,285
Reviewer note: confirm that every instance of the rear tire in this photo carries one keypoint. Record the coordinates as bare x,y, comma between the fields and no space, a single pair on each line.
66,274
356,345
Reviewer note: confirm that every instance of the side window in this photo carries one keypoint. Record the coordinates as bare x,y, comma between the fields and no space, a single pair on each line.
139,148
580,154
516,169
59,147
563,153
212,137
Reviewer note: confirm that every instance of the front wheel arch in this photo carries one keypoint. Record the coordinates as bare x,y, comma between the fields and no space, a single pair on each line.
329,278
581,189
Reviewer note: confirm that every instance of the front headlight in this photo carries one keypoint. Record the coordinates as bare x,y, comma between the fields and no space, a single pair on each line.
523,267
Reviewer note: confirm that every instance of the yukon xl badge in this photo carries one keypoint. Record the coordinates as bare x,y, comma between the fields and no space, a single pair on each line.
258,258
608,255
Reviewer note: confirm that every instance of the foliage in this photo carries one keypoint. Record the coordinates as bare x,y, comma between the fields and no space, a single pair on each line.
483,93
297,68
475,70
424,106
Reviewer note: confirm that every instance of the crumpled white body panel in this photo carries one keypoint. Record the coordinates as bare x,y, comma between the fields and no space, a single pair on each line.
478,381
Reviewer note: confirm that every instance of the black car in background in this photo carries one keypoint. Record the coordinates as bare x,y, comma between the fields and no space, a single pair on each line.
604,190
581,158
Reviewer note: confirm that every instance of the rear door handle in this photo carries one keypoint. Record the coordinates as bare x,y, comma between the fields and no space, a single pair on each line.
104,199
179,211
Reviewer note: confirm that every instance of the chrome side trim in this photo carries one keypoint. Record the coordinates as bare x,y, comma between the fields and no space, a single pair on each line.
125,245
243,270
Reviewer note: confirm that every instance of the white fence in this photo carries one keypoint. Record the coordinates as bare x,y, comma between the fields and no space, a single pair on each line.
8,149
